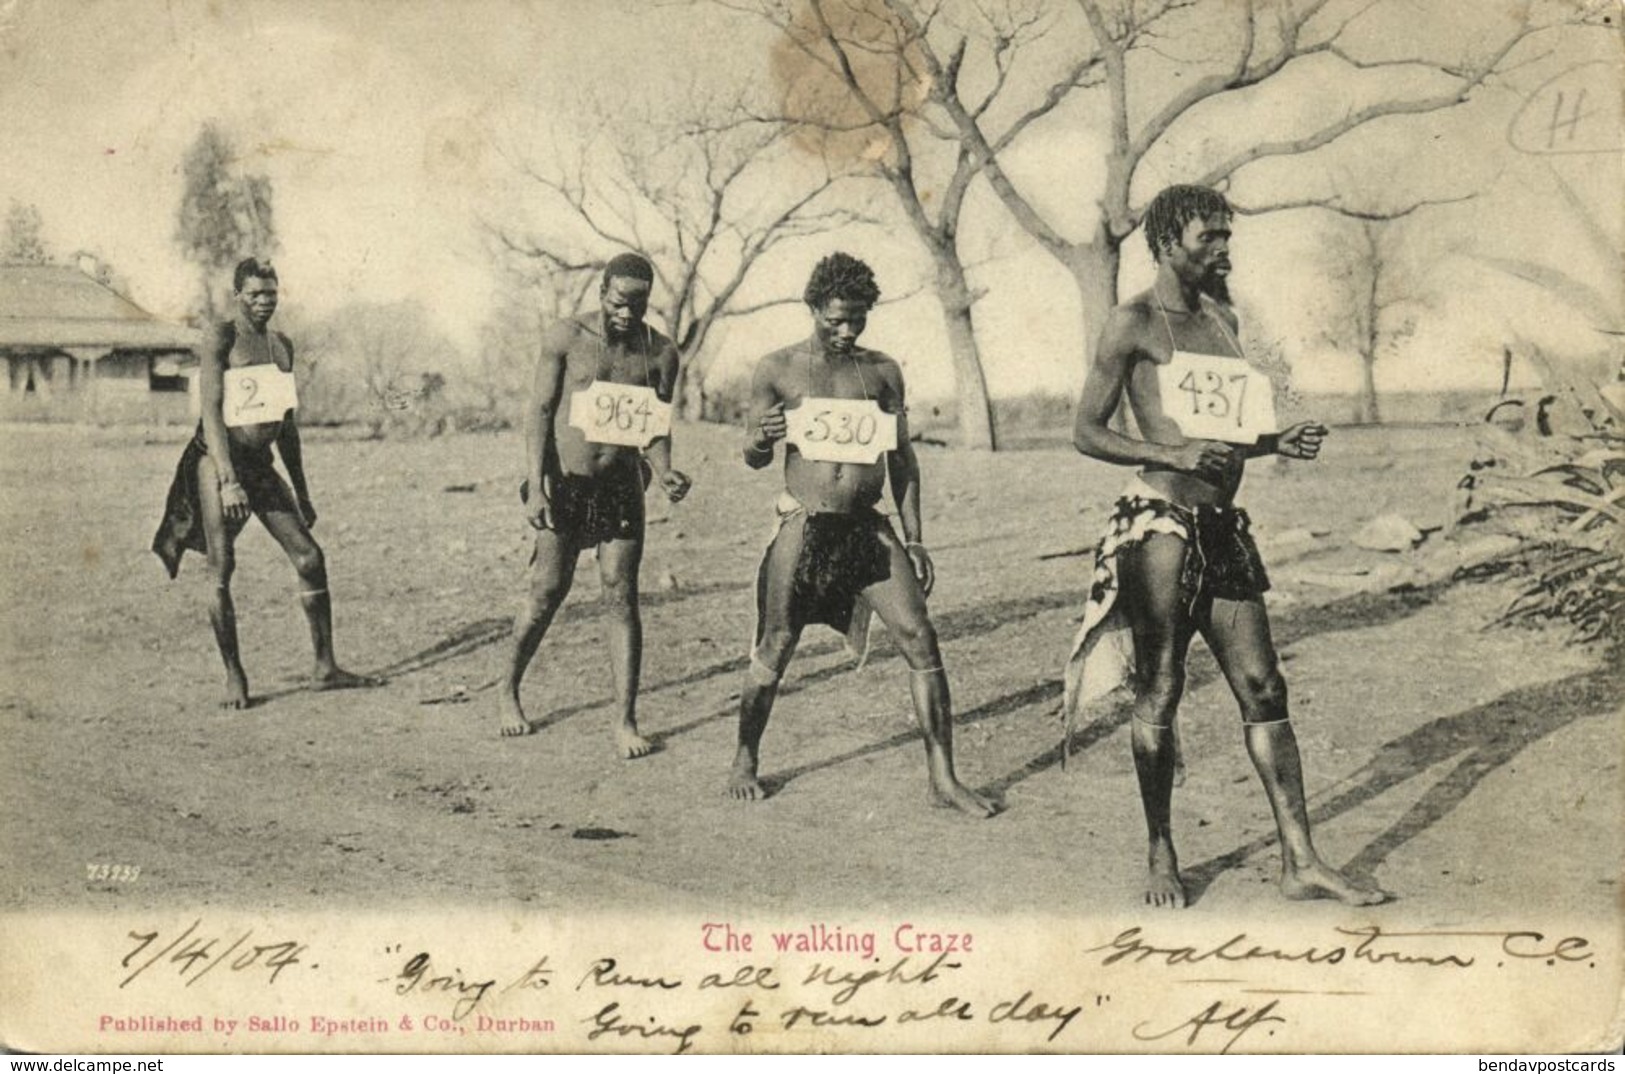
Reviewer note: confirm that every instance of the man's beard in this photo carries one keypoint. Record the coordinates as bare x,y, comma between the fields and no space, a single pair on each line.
1216,286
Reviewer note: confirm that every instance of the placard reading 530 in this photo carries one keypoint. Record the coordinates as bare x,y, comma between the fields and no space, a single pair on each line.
841,430
258,393
628,415
1211,397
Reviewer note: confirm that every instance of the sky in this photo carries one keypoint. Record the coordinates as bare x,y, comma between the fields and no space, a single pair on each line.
382,127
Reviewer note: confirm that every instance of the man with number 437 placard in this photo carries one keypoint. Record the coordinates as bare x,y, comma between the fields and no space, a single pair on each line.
834,558
1178,558
600,405
247,401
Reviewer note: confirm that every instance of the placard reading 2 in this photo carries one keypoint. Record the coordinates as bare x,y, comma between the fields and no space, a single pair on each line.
629,415
1211,397
841,430
257,394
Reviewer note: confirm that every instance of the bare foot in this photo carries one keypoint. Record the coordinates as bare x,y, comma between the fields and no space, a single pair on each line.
742,782
236,691
955,795
336,678
511,718
1163,888
632,745
1317,880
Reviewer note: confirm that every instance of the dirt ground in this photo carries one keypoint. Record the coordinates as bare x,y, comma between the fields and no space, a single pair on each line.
1470,771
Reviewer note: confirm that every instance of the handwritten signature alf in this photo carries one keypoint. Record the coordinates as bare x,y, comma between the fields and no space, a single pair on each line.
1238,1021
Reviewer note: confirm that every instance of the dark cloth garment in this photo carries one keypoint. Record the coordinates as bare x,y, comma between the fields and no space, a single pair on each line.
841,555
182,525
1221,558
591,510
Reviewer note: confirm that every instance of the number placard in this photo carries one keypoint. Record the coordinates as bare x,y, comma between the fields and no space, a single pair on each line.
841,430
1212,397
256,394
627,415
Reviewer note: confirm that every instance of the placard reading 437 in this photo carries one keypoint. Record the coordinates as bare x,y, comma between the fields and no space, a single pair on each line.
629,415
841,430
1211,397
258,393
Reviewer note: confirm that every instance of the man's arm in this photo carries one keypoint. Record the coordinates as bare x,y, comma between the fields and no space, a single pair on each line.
674,482
903,467
547,388
1102,391
212,355
292,452
768,424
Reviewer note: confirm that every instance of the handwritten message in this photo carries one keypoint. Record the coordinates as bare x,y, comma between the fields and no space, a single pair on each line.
723,985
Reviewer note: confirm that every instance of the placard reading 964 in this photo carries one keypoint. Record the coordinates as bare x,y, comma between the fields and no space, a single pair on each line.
629,415
1211,397
258,393
841,430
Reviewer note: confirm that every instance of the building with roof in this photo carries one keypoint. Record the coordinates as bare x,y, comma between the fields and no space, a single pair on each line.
75,349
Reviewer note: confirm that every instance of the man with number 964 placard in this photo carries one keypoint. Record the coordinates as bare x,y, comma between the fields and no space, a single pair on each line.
600,406
1178,558
833,558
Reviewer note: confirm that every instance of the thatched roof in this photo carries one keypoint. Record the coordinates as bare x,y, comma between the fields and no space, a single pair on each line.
53,306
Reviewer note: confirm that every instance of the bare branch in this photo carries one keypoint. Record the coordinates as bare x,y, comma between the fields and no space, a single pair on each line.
1335,204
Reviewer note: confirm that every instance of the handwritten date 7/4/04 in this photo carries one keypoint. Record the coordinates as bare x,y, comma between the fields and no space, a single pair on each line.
196,952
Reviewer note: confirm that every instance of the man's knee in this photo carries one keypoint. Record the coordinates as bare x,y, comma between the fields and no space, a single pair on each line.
916,639
309,561
771,655
223,565
1161,689
620,595
1262,694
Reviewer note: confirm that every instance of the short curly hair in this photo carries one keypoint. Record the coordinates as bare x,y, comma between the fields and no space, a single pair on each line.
841,276
251,268
1176,206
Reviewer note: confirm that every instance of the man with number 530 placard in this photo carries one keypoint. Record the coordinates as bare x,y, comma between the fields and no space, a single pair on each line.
247,401
1178,558
834,558
600,405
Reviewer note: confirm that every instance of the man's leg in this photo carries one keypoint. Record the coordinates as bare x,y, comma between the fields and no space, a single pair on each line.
308,561
1238,632
551,573
222,563
773,647
1149,574
900,603
618,563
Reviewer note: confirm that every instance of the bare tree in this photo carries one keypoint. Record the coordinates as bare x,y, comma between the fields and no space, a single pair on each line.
1381,290
697,186
879,83
1151,108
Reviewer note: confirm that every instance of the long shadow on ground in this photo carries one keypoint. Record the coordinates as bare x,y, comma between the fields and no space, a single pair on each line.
1484,738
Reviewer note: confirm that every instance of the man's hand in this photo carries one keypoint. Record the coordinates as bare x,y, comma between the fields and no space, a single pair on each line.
771,427
925,572
675,484
233,501
1302,441
539,510
1207,459
307,511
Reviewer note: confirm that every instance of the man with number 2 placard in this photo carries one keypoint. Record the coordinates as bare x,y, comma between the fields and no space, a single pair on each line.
246,396
834,558
600,405
1178,558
